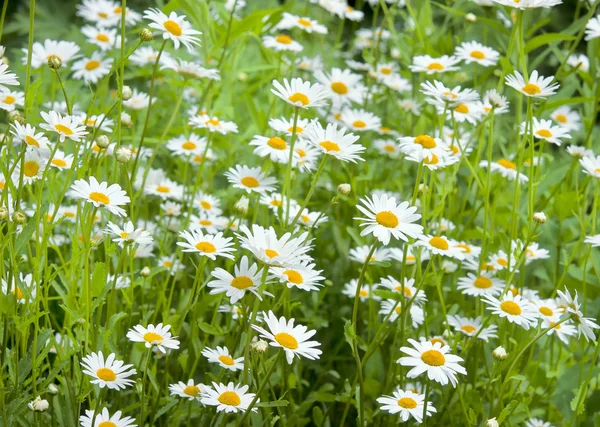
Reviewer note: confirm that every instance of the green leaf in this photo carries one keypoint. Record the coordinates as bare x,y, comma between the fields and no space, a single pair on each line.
210,329
577,404
544,39
472,416
508,409
98,278
518,378
317,415
274,404
350,334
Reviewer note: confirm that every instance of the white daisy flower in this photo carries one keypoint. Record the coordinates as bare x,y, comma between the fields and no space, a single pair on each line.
344,86
10,100
302,276
334,142
585,325
282,43
154,336
364,294
65,126
24,290
423,146
408,289
27,135
406,404
441,245
592,28
104,38
222,357
246,278
471,326
306,24
567,118
6,77
360,120
484,284
272,250
393,309
64,50
536,86
101,195
207,245
189,390
543,129
300,94
429,65
33,166
229,398
514,308
476,52
109,373
128,234
173,27
104,419
591,165
92,69
563,330
138,100
250,179
506,168
274,147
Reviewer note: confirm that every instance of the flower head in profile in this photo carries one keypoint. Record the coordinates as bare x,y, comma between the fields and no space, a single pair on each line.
221,356
101,195
109,373
301,94
385,218
292,339
272,250
189,390
104,419
334,142
229,398
536,86
173,27
154,336
208,245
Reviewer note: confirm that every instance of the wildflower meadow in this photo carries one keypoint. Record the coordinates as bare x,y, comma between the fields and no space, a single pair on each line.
299,213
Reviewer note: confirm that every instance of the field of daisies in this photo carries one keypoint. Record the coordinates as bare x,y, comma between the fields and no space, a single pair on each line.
299,213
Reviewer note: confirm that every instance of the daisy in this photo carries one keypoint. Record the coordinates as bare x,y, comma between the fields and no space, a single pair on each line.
99,121
102,37
429,65
493,100
128,234
528,4
272,250
302,276
592,28
433,359
478,53
10,100
145,55
441,245
593,240
543,129
470,112
40,53
229,398
334,142
222,357
246,278
387,147
101,195
109,373
360,120
164,188
300,94
189,390
580,62
516,309
562,330
173,27
309,25
484,284
548,309
385,218
154,336
437,91
567,118
393,309
6,77
207,203
213,124
536,86
276,201
292,339
585,325
408,289
506,168
250,179
274,147
92,69
411,258
591,165
99,12
471,326
286,126
423,146
187,145
103,419
34,164
535,422
344,86
207,245
307,218
350,291
65,126
406,404
282,43
189,69
24,290
138,100
61,161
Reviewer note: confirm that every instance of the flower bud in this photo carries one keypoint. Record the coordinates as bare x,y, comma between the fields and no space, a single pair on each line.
146,35
449,267
242,205
126,119
344,188
19,217
52,389
126,93
242,76
3,213
102,141
259,346
123,155
539,217
145,272
15,116
492,423
54,62
471,17
81,321
38,405
500,354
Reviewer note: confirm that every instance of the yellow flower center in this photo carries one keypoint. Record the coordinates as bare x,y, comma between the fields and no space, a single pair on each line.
510,308
561,118
432,160
206,247
92,65
435,66
102,38
425,141
546,311
107,424
359,124
304,22
191,390
152,336
205,222
31,141
482,283
462,108
213,122
507,164
389,148
477,54
544,133
188,145
531,89
293,276
9,99
163,189
59,162
407,402
242,282
299,97
283,39
363,293
250,181
173,27
387,71
167,264
434,340
503,262
277,143
31,168
469,329
286,340
271,253
205,205
230,398
398,310
106,374
439,243
305,218
301,152
63,129
387,219
17,292
226,360
404,289
465,247
433,358
339,88
330,146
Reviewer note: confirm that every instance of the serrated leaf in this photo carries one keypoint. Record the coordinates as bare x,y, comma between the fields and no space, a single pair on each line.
350,334
508,409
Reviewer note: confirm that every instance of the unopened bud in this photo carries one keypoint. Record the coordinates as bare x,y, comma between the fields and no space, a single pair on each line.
242,205
52,389
500,354
54,62
3,213
15,116
259,346
471,17
102,141
38,405
126,119
422,189
19,217
539,217
126,93
344,188
145,272
492,423
123,155
80,321
242,76
146,35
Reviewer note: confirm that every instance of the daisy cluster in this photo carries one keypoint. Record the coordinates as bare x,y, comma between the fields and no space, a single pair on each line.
328,212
